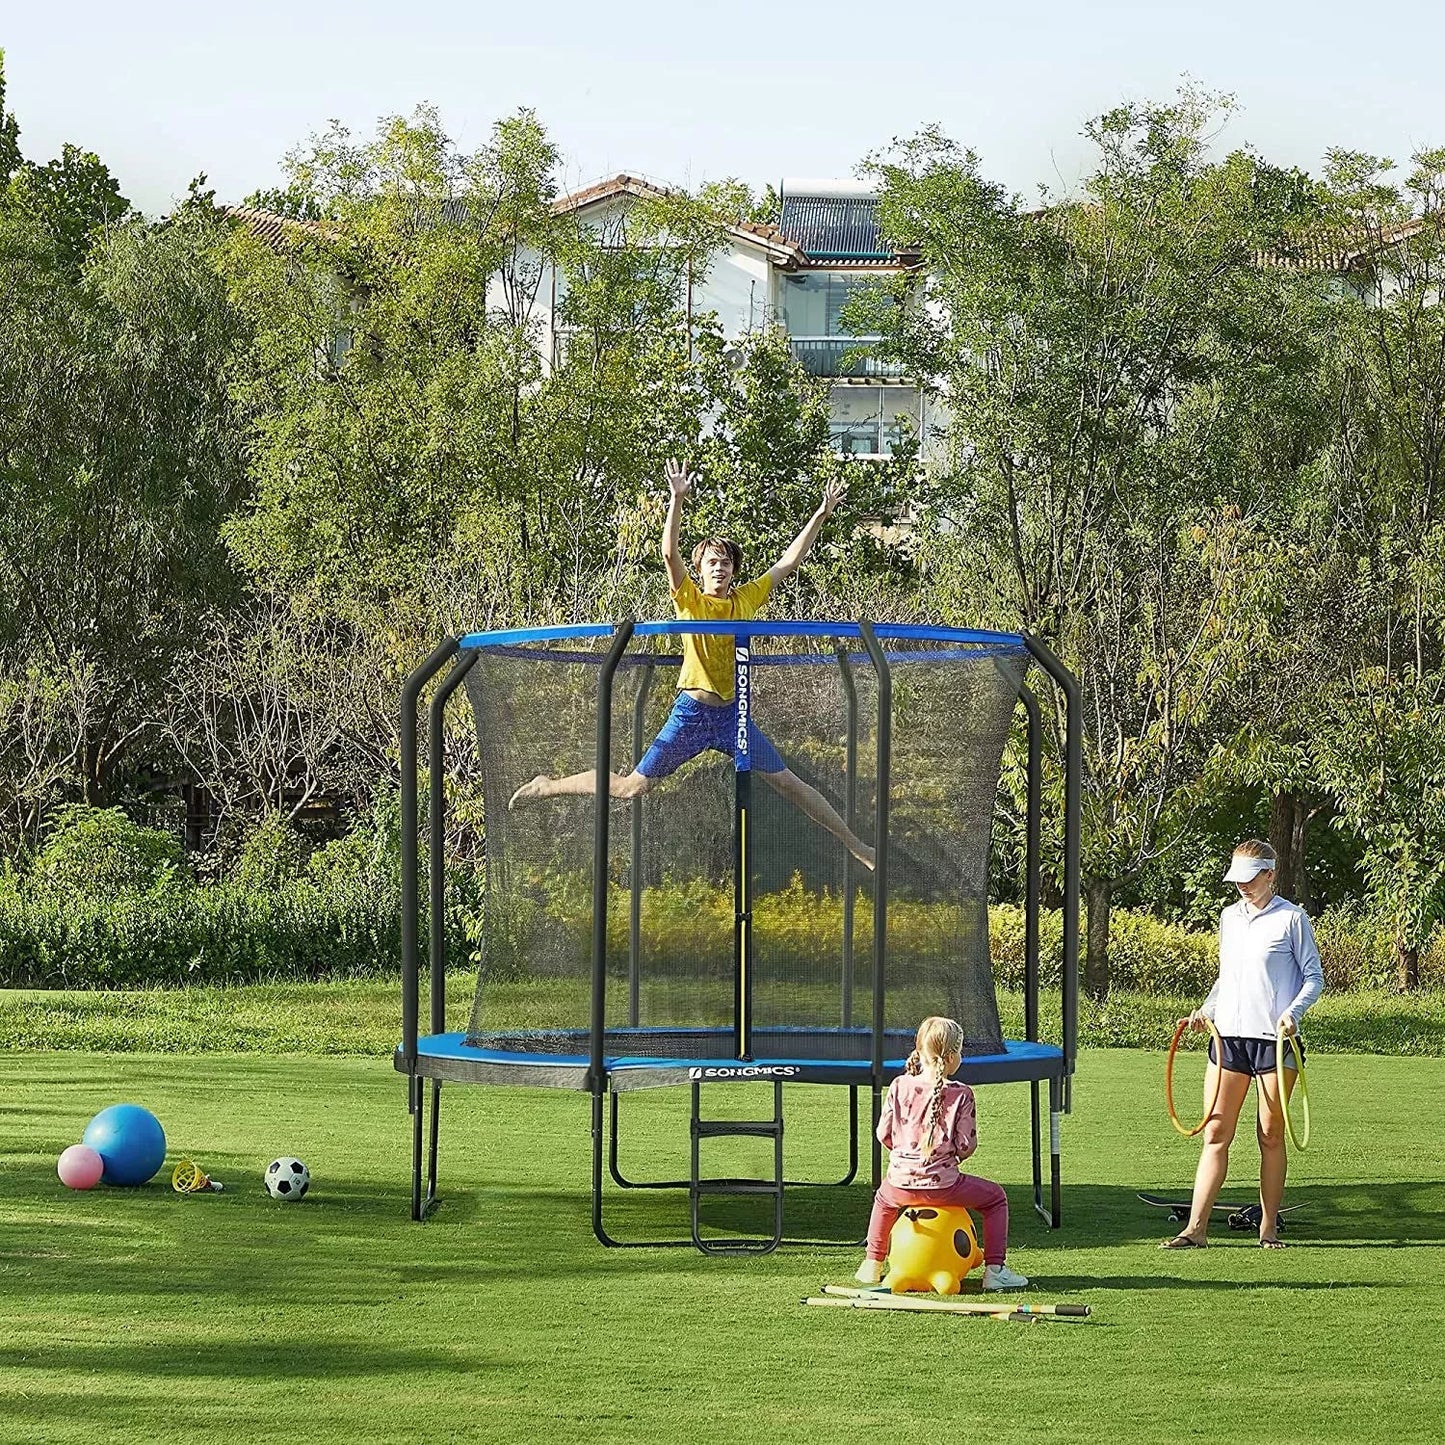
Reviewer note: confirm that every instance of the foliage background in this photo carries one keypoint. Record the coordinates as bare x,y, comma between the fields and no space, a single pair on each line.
1190,433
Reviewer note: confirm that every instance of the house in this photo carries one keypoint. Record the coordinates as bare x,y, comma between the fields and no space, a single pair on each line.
798,274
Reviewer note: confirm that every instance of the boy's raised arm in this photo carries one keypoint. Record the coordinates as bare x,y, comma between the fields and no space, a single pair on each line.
802,544
679,481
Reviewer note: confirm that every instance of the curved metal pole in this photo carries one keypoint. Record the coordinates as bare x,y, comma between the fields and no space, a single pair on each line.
634,930
436,818
602,798
411,903
1073,796
880,874
850,816
1033,827
410,899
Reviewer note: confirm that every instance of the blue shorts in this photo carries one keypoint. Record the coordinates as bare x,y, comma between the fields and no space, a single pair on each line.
1252,1056
692,727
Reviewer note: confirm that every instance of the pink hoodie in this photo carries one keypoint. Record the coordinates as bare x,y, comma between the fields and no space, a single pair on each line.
904,1126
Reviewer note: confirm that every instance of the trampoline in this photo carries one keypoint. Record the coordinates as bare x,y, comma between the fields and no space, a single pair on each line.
709,932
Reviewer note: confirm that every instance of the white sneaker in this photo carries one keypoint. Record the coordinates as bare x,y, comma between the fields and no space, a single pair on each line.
870,1272
1000,1276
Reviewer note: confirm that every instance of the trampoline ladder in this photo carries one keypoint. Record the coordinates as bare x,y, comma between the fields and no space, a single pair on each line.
763,1188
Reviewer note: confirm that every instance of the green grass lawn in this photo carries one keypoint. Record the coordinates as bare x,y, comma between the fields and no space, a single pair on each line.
129,1314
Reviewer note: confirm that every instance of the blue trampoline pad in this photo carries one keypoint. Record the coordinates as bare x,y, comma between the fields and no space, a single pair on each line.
449,1056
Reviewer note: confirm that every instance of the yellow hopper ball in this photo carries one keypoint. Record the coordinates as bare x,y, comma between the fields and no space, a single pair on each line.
932,1249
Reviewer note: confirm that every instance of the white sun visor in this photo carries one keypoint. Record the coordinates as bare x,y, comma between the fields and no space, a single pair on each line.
1243,868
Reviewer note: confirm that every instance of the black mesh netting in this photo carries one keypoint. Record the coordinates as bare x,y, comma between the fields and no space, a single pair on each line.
671,972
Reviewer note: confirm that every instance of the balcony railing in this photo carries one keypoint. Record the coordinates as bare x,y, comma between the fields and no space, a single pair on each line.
841,356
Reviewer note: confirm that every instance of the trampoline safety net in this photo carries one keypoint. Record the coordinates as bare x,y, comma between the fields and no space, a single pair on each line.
672,974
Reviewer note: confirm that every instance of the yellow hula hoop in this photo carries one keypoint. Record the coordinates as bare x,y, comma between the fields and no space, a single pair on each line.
1302,1093
1169,1077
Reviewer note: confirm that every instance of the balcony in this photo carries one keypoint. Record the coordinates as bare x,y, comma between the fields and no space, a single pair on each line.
829,356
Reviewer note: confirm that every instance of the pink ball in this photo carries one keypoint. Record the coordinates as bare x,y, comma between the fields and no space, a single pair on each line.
80,1167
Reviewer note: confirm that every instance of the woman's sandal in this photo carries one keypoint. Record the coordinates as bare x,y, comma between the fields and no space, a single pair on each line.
1272,1243
1183,1241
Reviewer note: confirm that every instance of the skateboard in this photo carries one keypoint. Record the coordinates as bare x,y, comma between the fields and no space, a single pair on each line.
1241,1216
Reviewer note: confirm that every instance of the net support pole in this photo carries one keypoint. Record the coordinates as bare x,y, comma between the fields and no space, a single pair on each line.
742,850
880,877
437,881
411,900
1033,827
602,803
410,858
1073,799
436,825
850,816
634,920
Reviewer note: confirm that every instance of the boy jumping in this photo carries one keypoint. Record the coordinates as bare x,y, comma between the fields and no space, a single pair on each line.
703,716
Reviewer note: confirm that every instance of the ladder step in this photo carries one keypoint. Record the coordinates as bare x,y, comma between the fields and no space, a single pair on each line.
737,1246
738,1128
736,1186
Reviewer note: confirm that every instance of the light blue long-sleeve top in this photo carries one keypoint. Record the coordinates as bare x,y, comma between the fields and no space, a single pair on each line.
1269,966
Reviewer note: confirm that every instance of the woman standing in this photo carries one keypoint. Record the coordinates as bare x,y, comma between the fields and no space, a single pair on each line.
1269,974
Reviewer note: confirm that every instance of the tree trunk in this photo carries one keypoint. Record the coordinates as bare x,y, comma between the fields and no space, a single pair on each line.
1098,895
1407,965
1289,818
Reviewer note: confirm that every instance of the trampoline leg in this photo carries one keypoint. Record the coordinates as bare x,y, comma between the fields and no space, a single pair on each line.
1053,1215
612,1168
1037,1149
1056,1102
413,1104
877,1147
431,1166
597,1229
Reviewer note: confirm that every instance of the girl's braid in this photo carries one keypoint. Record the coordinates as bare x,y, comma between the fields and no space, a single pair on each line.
938,1039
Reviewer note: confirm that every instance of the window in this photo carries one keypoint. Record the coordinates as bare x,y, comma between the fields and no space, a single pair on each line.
813,302
813,318
873,421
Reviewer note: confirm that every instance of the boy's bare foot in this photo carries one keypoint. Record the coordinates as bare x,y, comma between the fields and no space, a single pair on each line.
537,788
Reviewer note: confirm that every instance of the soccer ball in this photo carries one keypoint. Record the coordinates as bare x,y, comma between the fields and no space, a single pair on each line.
287,1179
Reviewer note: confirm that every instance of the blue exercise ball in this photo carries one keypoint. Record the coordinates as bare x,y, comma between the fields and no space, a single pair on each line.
130,1142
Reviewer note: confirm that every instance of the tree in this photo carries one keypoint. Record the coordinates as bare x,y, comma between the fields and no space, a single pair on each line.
1112,366
410,438
10,157
1376,751
120,457
73,197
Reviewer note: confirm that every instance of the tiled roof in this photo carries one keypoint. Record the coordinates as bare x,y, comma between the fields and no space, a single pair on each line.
844,231
277,230
621,184
1339,251
624,184
1322,251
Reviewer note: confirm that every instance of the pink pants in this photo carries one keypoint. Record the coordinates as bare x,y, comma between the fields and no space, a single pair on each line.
971,1192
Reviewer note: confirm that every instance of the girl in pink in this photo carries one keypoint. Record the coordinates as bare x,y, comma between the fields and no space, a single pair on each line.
928,1126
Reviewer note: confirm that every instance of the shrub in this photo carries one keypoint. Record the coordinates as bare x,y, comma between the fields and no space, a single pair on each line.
222,934
273,854
99,852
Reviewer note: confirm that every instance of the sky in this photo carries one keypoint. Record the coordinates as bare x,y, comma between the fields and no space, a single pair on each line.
685,94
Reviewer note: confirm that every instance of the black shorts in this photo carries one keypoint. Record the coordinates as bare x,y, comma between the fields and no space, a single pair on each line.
1252,1056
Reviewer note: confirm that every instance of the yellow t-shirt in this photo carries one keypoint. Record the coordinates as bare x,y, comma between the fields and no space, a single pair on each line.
707,658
